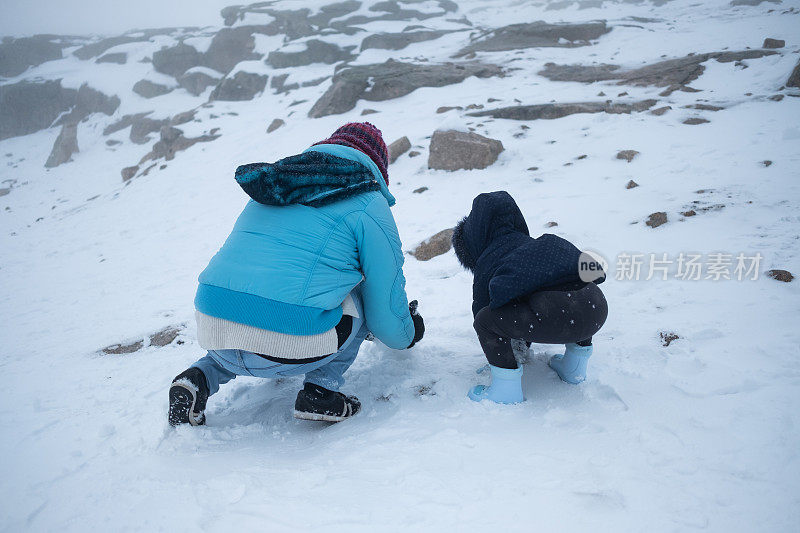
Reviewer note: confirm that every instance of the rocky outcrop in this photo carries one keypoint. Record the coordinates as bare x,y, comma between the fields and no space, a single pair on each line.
398,41
142,128
780,275
176,60
159,339
230,46
149,89
16,55
535,35
66,144
119,58
96,48
27,107
392,79
773,43
316,52
794,77
172,141
436,245
554,111
398,148
672,73
275,124
456,150
242,86
198,79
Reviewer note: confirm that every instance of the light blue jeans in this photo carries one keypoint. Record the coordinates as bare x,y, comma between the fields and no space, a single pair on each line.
221,366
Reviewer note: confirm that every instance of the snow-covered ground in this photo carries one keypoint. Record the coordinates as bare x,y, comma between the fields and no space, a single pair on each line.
703,434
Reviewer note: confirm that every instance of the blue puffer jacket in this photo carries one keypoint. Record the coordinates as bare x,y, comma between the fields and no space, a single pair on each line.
493,242
323,227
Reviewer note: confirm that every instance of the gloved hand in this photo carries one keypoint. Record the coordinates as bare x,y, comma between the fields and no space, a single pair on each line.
419,324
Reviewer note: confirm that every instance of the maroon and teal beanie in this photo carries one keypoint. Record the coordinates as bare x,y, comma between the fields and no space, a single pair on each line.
365,137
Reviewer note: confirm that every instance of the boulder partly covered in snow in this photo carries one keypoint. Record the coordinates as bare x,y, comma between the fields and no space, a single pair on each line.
536,34
229,47
559,110
176,60
196,80
16,55
398,148
241,86
392,79
66,144
456,150
398,41
316,52
27,107
149,89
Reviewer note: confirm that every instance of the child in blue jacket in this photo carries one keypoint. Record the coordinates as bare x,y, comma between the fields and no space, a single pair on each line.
313,264
526,289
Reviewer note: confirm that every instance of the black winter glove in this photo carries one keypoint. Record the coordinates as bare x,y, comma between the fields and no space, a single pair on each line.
419,324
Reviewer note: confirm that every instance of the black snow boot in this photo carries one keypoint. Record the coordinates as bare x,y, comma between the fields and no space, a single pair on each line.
318,403
187,398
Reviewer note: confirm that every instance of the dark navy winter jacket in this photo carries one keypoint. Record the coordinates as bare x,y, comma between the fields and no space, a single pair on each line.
494,243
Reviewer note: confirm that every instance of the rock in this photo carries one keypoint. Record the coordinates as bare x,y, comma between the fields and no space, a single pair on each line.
776,97
773,43
705,107
119,349
660,111
780,275
667,337
275,124
656,219
316,52
124,122
766,163
165,337
230,46
148,89
672,73
368,112
173,141
142,128
129,172
176,60
554,111
27,107
242,86
689,213
694,121
66,144
434,246
16,55
536,34
455,150
631,185
413,153
182,118
119,58
392,79
551,224
398,41
794,77
398,148
113,142
445,109
279,84
196,80
94,49
627,155
752,2
420,190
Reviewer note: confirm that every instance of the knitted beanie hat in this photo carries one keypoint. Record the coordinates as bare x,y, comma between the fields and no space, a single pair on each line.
365,137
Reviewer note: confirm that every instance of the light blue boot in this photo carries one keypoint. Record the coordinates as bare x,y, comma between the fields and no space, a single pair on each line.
506,386
571,366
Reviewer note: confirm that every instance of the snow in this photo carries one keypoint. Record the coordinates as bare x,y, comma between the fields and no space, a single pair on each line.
702,434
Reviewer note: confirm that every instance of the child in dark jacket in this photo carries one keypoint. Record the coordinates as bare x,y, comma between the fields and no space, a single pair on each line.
526,289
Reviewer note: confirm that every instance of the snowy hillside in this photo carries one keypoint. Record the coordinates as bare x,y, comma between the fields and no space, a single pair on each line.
116,188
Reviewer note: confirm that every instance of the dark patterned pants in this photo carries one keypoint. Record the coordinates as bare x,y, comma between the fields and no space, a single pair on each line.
547,317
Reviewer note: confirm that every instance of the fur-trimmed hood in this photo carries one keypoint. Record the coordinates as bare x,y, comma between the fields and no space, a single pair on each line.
493,215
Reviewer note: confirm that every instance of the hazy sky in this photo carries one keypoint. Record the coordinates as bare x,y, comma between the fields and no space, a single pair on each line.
106,17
